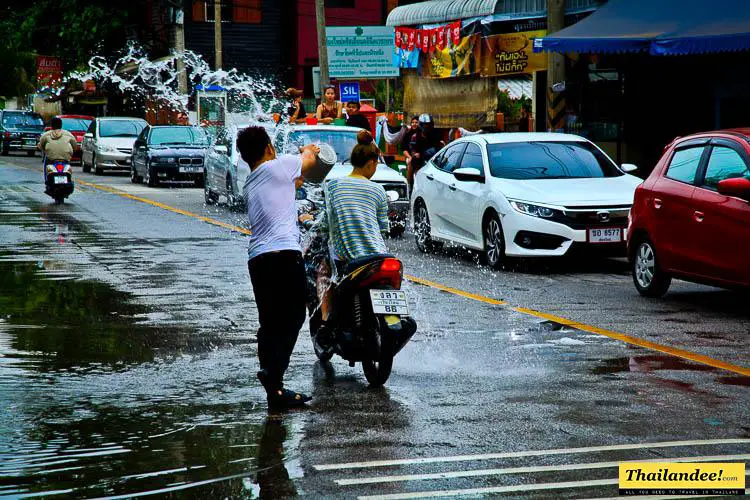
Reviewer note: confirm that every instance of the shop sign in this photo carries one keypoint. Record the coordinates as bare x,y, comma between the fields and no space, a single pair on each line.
361,52
512,53
455,60
48,72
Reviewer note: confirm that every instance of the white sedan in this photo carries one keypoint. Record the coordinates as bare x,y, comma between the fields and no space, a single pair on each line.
226,171
522,195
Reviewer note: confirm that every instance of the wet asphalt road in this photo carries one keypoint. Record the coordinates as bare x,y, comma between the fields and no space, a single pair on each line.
127,366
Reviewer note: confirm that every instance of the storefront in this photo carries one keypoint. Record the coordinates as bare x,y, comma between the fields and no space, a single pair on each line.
456,56
640,73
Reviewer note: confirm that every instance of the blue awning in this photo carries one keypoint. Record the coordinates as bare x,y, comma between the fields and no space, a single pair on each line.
660,27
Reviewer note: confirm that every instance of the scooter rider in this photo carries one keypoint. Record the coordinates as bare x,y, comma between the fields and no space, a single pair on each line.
56,144
275,263
356,219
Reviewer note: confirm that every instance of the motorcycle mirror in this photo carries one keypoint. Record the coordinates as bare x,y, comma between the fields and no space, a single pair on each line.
300,194
392,195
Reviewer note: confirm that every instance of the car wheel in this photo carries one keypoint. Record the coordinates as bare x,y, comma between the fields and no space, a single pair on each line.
422,229
85,166
97,170
397,232
494,242
134,177
151,179
648,277
210,197
30,153
4,151
232,198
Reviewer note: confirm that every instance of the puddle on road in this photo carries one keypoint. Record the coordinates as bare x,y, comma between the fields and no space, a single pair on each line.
92,403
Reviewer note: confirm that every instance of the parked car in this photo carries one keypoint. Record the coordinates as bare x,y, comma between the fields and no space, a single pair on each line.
76,125
226,171
169,152
522,195
691,217
20,131
108,143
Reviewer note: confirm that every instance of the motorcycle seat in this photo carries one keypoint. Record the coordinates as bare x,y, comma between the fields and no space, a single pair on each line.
355,264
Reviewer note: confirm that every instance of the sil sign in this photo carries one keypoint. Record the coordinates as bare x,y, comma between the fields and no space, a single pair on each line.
349,92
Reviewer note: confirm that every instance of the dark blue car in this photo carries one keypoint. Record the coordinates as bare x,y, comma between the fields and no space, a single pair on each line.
20,131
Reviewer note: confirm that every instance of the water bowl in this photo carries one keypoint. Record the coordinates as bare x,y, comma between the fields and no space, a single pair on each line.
326,160
339,121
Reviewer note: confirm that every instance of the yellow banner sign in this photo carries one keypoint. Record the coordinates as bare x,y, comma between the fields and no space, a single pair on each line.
682,478
455,60
512,53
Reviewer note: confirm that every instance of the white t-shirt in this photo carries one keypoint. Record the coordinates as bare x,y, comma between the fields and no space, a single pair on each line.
271,207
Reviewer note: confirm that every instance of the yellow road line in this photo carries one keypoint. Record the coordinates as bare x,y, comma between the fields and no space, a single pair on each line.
673,351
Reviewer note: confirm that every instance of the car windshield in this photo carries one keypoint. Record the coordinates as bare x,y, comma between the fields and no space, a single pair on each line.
178,135
549,160
120,128
342,142
22,120
76,124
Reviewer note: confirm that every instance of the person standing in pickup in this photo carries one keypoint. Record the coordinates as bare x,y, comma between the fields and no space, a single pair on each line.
277,271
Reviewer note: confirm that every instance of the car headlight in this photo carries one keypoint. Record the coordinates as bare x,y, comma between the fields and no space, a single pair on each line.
106,148
533,210
162,160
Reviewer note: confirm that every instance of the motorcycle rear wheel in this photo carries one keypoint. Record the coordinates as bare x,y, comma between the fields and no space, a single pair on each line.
323,355
378,368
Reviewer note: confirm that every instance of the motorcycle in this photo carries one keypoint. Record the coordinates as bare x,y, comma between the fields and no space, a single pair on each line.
370,321
58,180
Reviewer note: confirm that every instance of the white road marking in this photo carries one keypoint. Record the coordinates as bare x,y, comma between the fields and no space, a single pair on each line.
528,453
494,489
527,470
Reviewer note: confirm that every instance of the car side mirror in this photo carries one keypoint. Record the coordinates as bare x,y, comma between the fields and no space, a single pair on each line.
221,149
628,167
738,187
468,175
89,135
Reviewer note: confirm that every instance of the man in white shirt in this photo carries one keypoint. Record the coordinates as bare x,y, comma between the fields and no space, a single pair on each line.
275,260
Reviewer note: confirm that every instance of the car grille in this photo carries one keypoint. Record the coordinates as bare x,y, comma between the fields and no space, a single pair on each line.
585,217
127,151
190,161
394,186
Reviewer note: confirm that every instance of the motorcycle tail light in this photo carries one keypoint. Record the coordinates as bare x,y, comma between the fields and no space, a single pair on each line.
60,167
390,265
388,273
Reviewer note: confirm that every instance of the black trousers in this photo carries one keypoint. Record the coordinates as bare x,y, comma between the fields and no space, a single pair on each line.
280,290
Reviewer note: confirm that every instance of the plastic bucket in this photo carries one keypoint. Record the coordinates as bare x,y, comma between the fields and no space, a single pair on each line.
326,160
311,120
339,121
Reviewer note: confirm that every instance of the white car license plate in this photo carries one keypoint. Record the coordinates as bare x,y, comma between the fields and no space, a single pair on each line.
191,170
61,179
605,235
30,142
389,302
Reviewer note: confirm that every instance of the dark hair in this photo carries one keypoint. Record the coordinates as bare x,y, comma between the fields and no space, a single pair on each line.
332,87
55,123
356,103
252,143
365,150
415,117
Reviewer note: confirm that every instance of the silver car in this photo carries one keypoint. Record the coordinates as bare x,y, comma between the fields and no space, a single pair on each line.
226,171
108,143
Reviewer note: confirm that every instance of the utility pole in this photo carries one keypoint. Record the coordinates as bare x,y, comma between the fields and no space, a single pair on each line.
320,19
179,48
217,33
555,68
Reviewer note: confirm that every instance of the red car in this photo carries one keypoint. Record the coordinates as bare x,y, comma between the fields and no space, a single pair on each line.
691,217
76,125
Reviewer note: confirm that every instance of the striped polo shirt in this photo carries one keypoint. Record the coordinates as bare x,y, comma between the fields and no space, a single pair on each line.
356,216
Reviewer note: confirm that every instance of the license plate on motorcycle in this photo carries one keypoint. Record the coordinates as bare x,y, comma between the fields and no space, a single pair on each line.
61,179
389,302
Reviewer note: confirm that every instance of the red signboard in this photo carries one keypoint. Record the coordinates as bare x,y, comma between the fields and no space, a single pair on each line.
48,71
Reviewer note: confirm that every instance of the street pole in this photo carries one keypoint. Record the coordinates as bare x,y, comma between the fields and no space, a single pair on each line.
320,19
179,48
555,68
217,33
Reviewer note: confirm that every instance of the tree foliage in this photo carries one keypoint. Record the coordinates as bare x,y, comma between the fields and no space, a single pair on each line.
73,30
